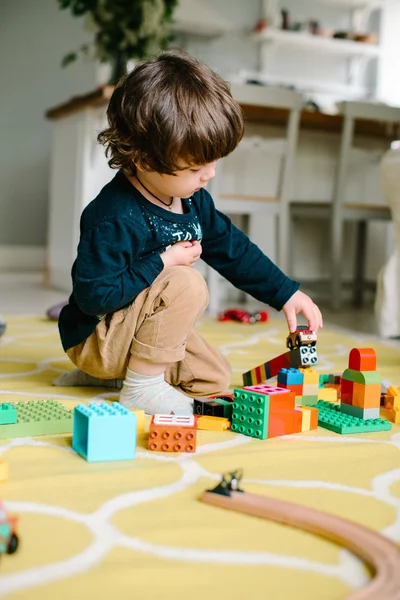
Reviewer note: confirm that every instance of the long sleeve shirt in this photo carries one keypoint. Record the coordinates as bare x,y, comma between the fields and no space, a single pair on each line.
122,235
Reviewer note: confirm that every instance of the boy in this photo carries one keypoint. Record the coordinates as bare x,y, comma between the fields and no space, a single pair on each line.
136,298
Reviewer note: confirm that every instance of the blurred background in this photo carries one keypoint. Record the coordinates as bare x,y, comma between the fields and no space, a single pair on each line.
315,182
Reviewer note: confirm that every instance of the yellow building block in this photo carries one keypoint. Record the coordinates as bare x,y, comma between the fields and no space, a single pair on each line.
207,423
310,375
3,471
305,419
139,421
328,394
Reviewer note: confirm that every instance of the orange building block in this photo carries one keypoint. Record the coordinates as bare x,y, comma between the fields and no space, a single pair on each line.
366,396
172,433
283,418
297,388
362,359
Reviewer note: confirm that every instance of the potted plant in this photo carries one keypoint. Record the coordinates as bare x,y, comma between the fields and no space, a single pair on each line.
123,29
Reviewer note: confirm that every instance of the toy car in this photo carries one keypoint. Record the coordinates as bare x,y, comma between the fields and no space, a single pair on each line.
243,316
303,336
9,540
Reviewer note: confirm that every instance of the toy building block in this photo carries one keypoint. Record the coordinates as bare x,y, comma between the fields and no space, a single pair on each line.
227,397
362,359
366,396
8,414
213,408
3,471
139,414
212,423
304,356
250,413
364,377
310,376
104,432
172,433
38,418
328,394
283,418
330,417
361,413
309,400
309,419
290,376
310,389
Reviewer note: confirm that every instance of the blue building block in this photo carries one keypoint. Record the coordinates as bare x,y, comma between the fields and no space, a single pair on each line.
290,377
8,414
103,432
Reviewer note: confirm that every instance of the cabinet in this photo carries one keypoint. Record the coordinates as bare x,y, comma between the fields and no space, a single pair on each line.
300,49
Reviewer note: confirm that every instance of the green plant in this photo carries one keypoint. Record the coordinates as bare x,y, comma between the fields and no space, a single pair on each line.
123,29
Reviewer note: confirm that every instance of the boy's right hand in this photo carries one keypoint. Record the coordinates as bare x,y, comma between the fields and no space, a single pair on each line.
182,253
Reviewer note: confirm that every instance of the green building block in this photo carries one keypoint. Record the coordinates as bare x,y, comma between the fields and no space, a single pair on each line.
309,400
330,417
364,377
42,417
250,413
8,414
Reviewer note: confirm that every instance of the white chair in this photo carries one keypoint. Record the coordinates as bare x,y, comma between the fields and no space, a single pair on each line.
338,211
259,208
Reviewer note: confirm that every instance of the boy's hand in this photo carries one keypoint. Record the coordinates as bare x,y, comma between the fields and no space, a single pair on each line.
182,253
301,303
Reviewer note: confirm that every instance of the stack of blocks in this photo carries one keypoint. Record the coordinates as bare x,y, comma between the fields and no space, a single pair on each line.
305,356
360,391
264,411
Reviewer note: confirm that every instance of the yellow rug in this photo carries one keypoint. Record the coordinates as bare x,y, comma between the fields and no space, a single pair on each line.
137,529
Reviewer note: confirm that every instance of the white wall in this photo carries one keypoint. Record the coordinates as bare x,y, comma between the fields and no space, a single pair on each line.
34,36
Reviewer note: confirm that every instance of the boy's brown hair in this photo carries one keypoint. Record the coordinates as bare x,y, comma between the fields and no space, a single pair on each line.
168,109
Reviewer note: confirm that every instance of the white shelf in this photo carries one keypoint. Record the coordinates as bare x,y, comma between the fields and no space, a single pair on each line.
317,43
195,18
351,4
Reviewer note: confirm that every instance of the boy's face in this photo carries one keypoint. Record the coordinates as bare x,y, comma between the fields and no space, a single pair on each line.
183,183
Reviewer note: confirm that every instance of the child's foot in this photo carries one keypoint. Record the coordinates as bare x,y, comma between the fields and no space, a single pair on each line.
154,395
77,377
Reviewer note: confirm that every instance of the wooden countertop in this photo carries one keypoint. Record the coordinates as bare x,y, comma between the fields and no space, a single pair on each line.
274,116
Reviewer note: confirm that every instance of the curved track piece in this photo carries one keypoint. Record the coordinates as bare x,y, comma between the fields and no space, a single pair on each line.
378,552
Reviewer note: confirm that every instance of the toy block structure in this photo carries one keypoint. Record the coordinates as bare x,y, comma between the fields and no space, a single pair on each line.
392,404
305,356
8,414
37,417
172,433
330,417
207,423
104,432
360,394
264,411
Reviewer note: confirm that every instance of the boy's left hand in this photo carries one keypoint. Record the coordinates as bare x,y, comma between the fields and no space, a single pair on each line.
301,303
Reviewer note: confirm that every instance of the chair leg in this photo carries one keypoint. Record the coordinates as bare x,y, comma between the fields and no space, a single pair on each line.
359,274
336,258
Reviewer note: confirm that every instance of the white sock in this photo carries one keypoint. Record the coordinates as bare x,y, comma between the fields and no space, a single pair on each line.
154,395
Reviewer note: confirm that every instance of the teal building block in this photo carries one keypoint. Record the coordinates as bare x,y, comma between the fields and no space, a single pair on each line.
290,377
104,432
250,413
8,414
330,417
364,377
41,417
361,413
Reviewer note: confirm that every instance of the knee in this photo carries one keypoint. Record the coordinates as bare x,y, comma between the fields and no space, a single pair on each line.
190,282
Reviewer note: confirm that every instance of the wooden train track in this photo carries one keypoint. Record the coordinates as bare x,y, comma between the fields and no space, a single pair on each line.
380,554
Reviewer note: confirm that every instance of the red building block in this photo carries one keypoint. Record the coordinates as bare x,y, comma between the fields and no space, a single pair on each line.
172,433
362,359
346,391
293,387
